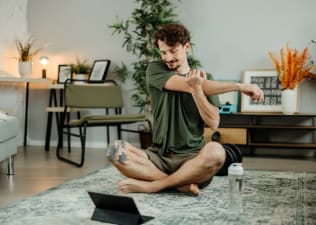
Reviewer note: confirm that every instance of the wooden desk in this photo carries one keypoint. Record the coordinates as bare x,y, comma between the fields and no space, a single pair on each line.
26,80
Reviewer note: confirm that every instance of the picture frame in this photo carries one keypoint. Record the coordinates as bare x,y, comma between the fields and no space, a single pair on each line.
99,70
64,73
268,81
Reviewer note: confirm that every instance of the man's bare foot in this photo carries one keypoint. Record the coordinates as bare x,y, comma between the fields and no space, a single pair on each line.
132,185
190,188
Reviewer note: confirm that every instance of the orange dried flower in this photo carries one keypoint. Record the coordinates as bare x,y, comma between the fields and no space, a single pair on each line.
293,67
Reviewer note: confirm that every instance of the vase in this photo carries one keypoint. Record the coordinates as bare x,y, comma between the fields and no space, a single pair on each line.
25,68
289,101
82,77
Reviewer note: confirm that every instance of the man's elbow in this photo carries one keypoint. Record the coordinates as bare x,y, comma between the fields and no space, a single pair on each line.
213,120
213,124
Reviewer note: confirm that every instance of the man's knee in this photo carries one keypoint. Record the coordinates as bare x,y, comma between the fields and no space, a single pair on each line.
213,154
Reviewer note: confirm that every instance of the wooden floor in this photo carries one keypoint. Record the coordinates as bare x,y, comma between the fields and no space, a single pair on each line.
37,170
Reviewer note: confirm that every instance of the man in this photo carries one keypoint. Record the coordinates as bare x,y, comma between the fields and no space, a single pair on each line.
181,101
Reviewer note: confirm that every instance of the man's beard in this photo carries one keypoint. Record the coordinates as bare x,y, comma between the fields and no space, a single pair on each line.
173,65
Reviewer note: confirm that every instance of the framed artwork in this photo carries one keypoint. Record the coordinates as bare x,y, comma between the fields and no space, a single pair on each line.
64,73
268,81
99,69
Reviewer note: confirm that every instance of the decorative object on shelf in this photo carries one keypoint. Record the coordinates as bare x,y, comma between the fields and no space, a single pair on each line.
289,101
99,69
64,73
312,47
44,61
82,69
145,136
268,81
26,54
292,68
25,68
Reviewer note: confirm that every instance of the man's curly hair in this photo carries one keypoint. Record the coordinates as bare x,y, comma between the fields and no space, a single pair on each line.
172,34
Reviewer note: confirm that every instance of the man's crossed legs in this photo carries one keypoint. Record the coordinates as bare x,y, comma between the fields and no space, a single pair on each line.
144,176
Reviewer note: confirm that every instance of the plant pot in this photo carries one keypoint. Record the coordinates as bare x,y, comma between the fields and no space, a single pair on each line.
81,77
25,68
145,138
289,101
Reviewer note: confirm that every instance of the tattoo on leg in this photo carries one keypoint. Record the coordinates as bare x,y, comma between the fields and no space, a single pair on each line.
111,152
115,152
122,158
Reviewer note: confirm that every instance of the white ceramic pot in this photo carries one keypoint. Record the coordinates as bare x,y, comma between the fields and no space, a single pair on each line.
81,77
289,101
25,68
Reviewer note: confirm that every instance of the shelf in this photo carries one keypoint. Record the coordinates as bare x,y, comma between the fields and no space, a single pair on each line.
284,127
267,126
286,145
270,114
270,127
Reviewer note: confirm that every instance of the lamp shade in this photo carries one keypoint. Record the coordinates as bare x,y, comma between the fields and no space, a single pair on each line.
44,60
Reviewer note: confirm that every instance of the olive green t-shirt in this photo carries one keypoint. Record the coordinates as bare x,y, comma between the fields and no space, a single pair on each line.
177,126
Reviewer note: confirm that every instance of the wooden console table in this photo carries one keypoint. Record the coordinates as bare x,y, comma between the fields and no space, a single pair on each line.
274,129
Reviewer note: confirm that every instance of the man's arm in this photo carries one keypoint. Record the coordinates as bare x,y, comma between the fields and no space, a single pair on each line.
208,112
192,84
211,87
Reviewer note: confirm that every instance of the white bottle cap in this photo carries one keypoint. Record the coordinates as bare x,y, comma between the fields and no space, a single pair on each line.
236,169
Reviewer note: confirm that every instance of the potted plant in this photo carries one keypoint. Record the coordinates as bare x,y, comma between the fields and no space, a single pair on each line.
26,52
138,32
81,68
292,68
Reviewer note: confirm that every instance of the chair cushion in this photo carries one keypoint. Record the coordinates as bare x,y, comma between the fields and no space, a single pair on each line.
8,127
108,119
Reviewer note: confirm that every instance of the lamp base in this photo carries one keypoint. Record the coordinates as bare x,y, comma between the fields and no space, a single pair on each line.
44,73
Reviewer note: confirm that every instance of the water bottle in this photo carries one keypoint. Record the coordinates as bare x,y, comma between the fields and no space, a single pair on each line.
235,177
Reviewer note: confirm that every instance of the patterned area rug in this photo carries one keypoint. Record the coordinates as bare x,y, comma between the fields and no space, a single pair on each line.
269,198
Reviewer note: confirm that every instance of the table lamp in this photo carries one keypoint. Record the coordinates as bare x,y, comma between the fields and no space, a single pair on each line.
44,61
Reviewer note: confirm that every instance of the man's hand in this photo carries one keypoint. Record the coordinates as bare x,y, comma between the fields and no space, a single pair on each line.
195,79
252,90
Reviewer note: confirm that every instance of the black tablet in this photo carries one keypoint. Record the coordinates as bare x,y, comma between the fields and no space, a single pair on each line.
116,209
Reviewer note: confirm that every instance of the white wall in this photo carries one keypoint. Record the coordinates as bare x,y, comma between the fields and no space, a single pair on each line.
13,24
229,36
